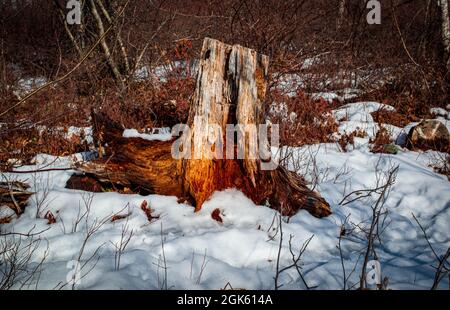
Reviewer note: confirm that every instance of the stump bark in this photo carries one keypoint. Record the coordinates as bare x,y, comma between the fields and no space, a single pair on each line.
230,92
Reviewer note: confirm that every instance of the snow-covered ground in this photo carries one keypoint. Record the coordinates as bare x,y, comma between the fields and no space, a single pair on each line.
185,250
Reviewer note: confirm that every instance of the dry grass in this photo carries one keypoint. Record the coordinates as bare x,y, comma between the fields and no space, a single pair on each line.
308,121
381,140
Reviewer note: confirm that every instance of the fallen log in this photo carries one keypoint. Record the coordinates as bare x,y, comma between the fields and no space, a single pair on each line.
14,195
230,90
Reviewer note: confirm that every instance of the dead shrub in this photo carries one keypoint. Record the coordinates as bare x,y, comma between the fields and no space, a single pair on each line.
308,121
442,166
346,139
24,144
384,116
381,141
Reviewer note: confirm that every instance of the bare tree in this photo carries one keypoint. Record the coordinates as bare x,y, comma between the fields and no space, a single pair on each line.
445,28
341,13
442,269
106,50
371,232
296,258
17,253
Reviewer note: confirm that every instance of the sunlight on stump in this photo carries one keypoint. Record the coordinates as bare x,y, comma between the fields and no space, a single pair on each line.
230,91
231,87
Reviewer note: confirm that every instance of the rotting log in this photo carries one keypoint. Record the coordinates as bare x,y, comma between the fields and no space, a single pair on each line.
14,195
230,89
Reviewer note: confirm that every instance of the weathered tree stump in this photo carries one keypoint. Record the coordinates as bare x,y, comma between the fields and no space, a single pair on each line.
230,90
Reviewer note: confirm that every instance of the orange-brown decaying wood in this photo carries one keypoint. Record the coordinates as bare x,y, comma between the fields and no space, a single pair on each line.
230,89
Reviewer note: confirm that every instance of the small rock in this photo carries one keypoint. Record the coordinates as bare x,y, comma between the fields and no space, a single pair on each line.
390,149
429,135
385,149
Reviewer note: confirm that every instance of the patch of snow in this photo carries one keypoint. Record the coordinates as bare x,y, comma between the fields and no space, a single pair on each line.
278,109
141,74
76,131
161,134
27,85
160,73
350,93
440,112
288,84
6,212
310,62
360,111
327,96
338,95
357,116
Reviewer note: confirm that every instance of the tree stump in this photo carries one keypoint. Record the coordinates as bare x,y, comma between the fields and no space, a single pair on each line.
221,147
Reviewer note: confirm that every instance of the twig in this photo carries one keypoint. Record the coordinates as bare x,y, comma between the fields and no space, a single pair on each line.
202,268
295,258
437,276
441,266
376,212
277,274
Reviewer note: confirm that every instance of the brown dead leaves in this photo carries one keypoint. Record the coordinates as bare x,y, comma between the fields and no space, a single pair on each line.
148,211
216,215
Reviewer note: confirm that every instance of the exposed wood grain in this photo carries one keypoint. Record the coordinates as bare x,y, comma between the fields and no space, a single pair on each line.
230,89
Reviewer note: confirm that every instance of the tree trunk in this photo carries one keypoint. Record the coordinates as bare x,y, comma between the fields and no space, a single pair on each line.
230,89
123,50
445,29
108,56
341,14
226,108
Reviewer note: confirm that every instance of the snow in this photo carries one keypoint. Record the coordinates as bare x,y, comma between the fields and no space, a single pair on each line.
161,72
440,112
6,212
288,84
161,134
357,116
77,131
26,85
338,95
141,74
328,96
310,62
243,249
360,111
